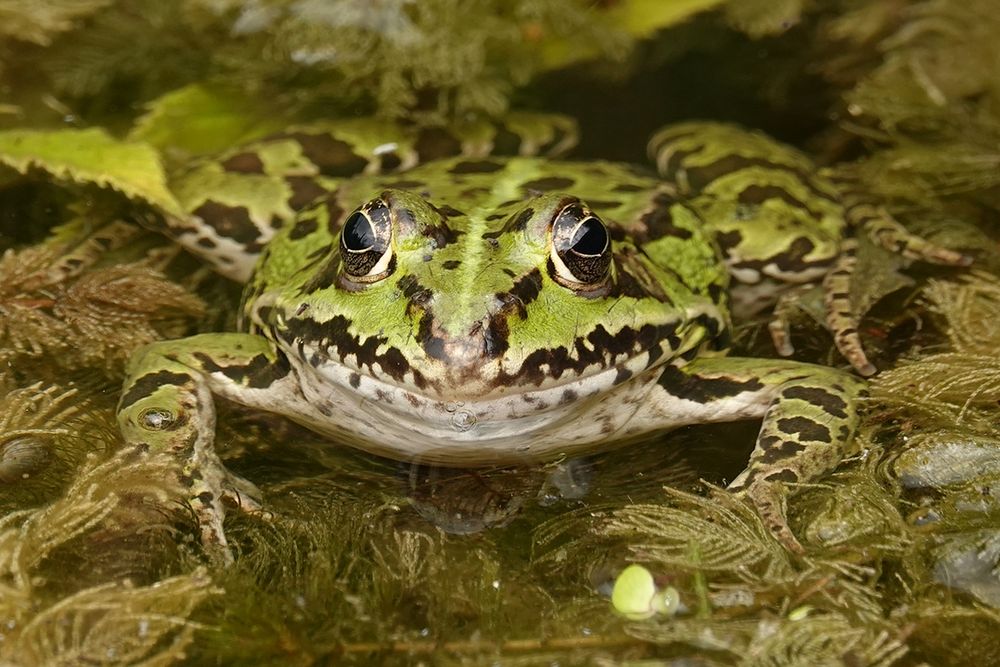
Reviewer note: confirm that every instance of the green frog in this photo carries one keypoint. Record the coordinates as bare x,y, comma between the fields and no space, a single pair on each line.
479,310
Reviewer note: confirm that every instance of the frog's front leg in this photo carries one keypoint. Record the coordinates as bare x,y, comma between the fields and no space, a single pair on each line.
167,406
809,418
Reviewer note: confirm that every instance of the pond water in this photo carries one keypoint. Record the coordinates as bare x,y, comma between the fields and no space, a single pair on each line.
356,559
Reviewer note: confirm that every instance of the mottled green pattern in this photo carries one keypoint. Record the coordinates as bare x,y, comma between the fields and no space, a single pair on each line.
454,311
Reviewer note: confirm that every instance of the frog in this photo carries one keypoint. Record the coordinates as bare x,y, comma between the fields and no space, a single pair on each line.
484,310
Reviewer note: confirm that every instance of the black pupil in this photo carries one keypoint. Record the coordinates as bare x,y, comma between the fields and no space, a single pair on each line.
358,233
590,238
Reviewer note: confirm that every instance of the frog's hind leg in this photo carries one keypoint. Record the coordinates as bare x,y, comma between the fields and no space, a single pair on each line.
809,418
841,316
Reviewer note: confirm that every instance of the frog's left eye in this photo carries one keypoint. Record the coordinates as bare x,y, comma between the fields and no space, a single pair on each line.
581,247
365,242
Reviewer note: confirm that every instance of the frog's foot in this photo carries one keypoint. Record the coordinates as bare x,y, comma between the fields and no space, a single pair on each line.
184,431
242,494
778,325
212,489
768,498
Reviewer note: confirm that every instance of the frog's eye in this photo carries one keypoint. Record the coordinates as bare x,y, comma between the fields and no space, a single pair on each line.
581,248
365,242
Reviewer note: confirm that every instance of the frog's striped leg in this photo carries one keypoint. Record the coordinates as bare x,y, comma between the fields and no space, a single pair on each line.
841,317
809,418
167,406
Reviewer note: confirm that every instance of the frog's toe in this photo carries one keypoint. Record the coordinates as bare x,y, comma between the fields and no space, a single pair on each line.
242,494
211,514
769,501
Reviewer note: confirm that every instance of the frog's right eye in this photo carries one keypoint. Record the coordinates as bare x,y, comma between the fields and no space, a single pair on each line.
366,242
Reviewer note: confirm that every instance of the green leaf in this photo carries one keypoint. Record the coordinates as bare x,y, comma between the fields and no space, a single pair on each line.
92,156
198,121
638,18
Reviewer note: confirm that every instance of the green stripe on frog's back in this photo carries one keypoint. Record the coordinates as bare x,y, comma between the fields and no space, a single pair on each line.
473,297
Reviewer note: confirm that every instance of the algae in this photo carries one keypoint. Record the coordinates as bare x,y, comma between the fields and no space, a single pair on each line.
104,101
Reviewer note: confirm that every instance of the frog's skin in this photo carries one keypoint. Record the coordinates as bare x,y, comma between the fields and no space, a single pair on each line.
481,310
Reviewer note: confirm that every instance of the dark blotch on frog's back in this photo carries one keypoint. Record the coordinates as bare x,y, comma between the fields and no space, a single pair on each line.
757,193
548,184
229,221
476,167
333,215
305,190
792,259
332,157
244,163
658,222
449,211
452,264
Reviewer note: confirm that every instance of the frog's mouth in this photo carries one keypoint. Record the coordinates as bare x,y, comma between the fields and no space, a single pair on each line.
541,375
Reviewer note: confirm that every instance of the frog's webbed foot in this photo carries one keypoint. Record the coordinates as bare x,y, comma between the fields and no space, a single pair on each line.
242,494
212,490
778,325
883,230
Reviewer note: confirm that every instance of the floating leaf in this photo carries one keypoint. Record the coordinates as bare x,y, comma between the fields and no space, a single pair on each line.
91,156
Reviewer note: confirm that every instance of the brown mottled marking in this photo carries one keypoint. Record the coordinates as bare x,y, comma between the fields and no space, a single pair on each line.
548,184
244,163
229,221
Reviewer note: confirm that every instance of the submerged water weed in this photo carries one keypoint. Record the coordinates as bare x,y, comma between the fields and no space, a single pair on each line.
955,383
39,448
742,598
51,619
51,305
345,577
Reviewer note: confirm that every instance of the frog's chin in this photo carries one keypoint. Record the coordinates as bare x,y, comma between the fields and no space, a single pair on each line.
514,426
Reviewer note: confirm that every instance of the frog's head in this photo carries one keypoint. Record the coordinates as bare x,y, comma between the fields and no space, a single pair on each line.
530,295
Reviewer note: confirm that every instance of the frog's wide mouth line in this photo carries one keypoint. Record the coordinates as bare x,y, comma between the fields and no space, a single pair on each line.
567,388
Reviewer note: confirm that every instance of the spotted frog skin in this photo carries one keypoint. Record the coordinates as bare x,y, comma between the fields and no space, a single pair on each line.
481,310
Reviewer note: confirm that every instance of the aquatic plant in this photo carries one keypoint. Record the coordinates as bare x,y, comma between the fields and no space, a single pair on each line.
55,302
107,101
